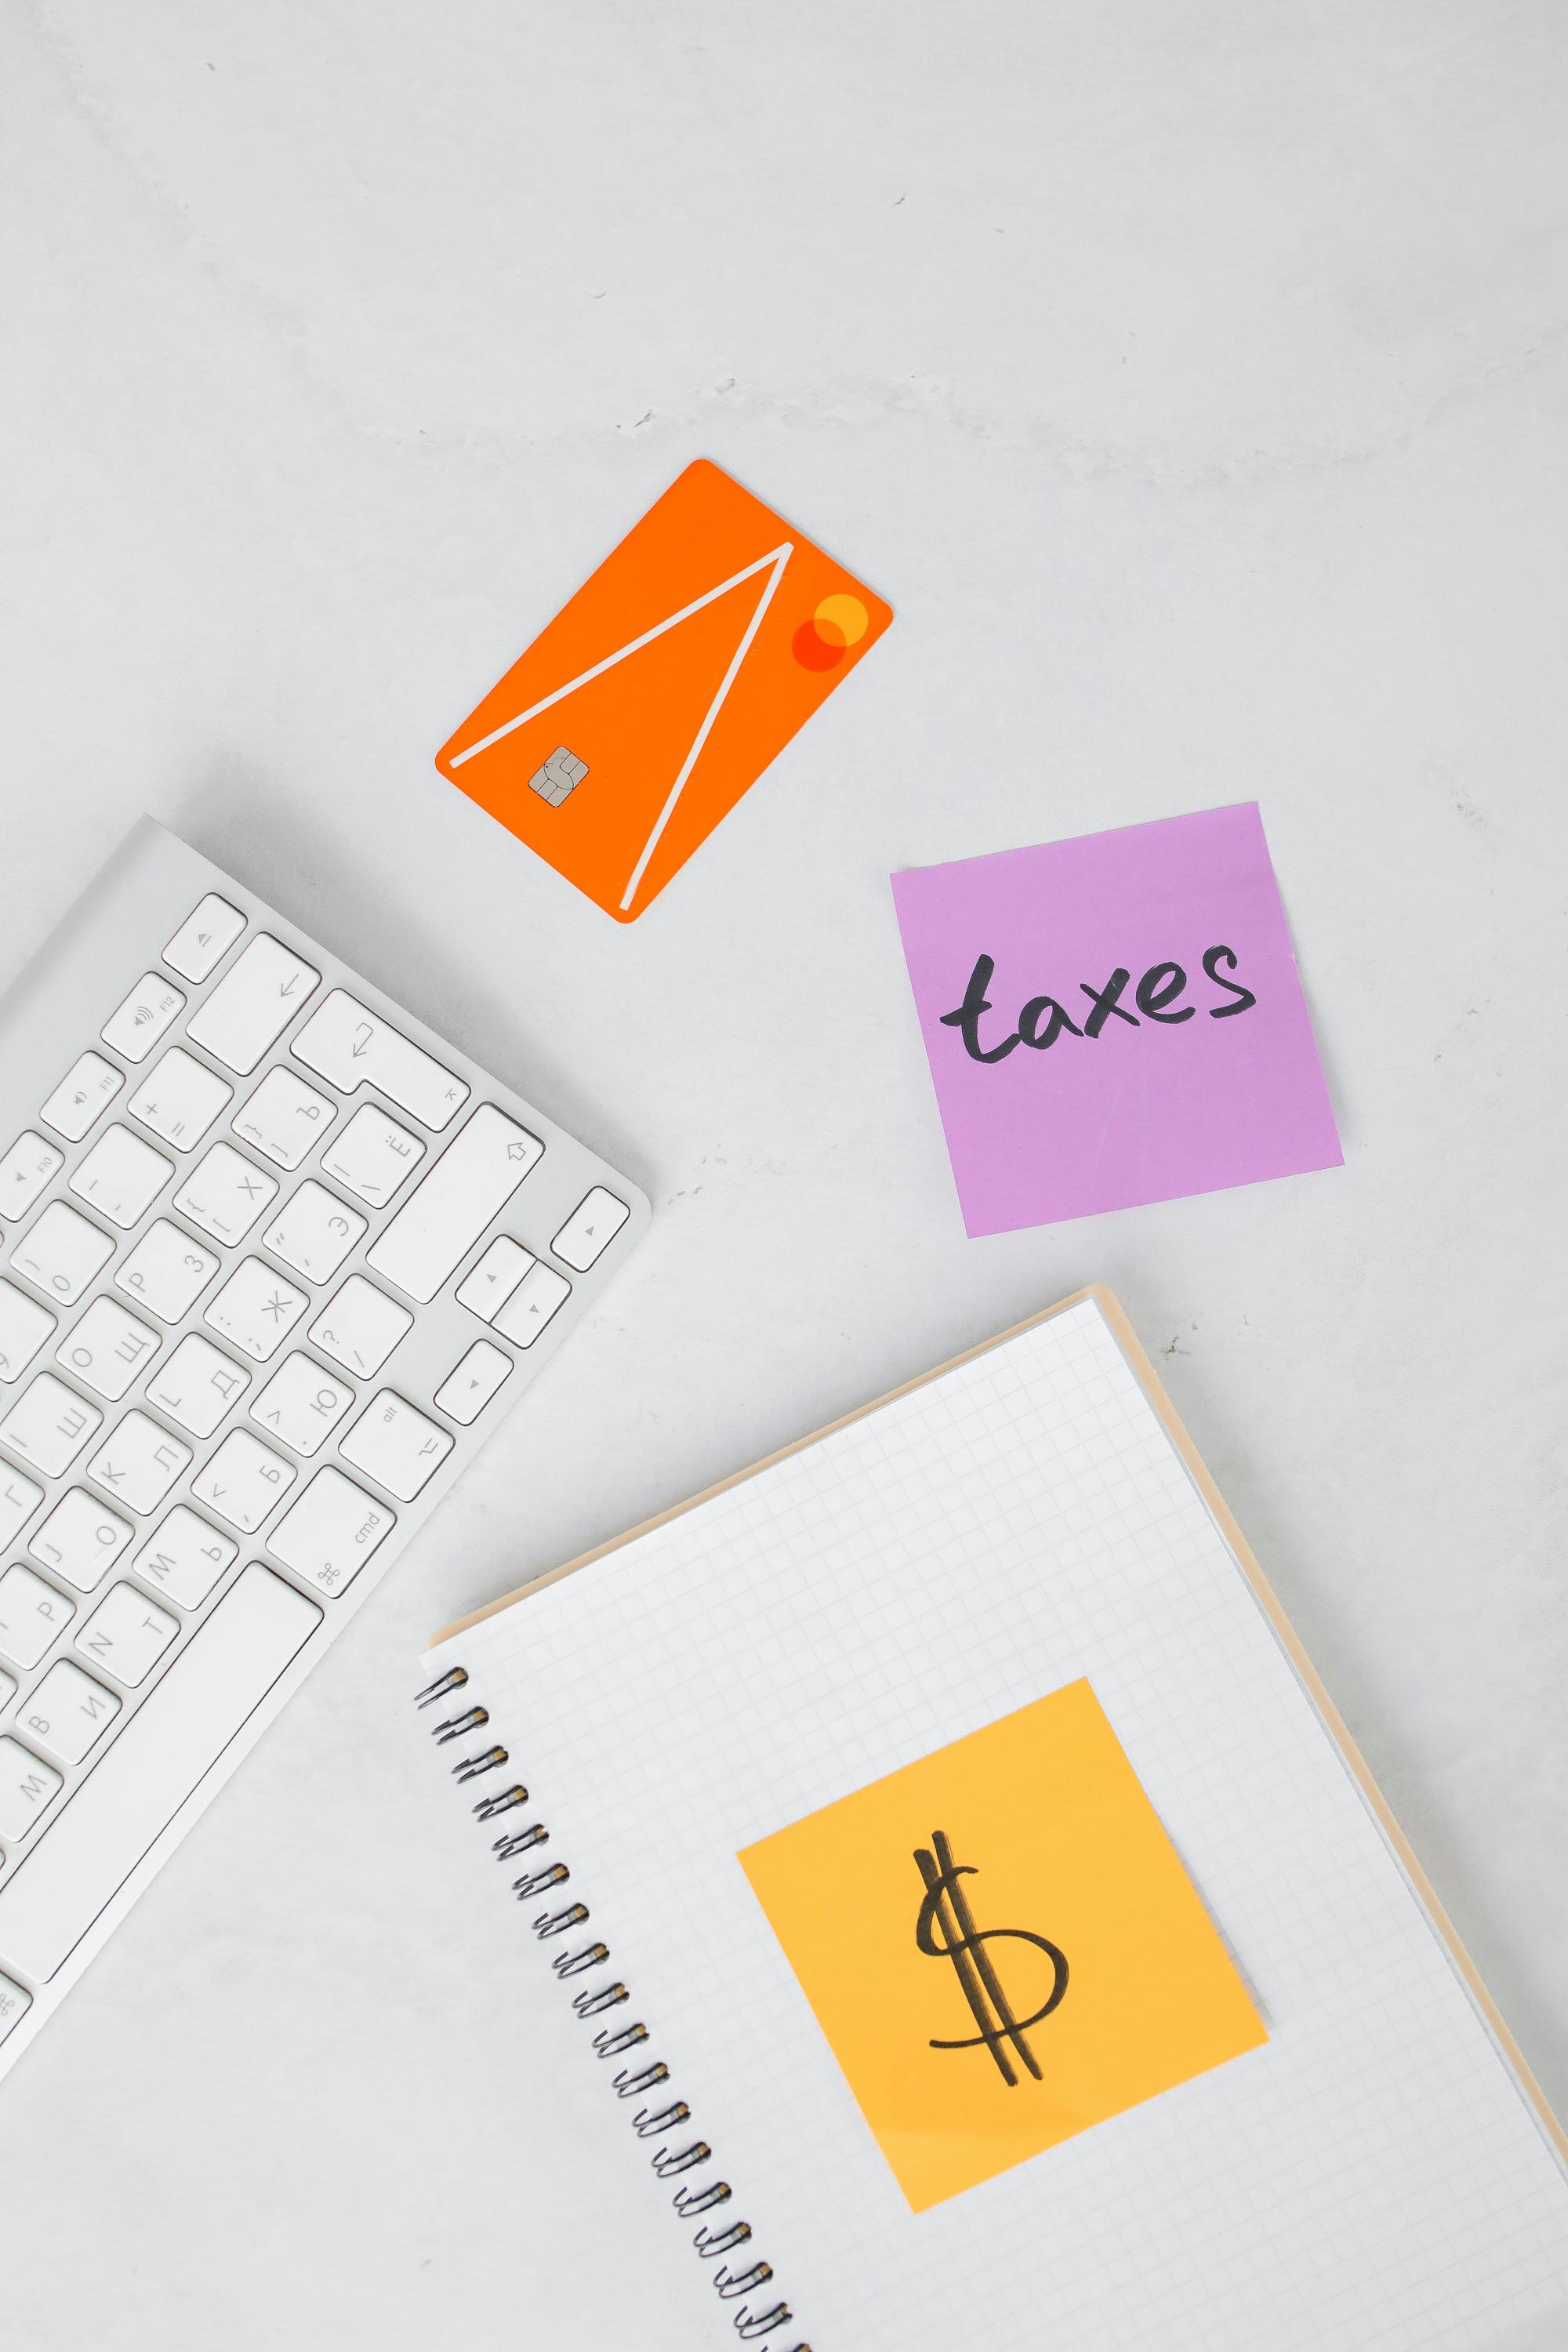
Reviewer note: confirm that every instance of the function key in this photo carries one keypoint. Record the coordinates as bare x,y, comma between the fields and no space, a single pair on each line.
135,1026
82,1094
590,1229
25,1171
204,939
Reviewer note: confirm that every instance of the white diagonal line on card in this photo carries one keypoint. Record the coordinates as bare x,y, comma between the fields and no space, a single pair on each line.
778,556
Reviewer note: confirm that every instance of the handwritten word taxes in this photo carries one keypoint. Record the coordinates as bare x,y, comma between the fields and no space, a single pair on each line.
1043,1019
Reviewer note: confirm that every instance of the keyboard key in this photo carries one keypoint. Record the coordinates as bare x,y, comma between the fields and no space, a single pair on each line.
359,1327
107,1349
252,1004
257,1308
68,1711
590,1229
50,1424
14,2004
198,1385
121,1176
7,1687
471,1182
167,1272
62,1252
314,1232
175,1737
27,1785
493,1280
302,1404
80,1539
539,1296
127,1635
31,1614
243,1481
467,1390
138,1462
23,1327
186,1557
25,1171
284,1119
225,1193
135,1026
180,1098
19,1498
329,1533
372,1156
395,1446
204,939
82,1094
353,1047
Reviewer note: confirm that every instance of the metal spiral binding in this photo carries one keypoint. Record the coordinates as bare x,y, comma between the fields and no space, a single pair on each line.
673,2157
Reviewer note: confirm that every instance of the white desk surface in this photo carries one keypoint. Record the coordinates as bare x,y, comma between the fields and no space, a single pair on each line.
1192,383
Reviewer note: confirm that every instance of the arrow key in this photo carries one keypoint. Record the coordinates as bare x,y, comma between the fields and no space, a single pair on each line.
590,1229
536,1298
465,1392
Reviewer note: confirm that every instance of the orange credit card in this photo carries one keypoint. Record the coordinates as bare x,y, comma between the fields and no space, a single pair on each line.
658,695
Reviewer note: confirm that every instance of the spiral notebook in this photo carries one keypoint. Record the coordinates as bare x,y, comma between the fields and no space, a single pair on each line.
977,1918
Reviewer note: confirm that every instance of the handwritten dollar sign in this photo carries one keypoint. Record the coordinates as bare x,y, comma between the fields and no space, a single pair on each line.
945,1929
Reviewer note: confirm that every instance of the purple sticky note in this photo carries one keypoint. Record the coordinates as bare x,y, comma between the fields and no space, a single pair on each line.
1114,1020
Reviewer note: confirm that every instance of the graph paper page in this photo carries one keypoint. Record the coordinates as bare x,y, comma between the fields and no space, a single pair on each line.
1371,2180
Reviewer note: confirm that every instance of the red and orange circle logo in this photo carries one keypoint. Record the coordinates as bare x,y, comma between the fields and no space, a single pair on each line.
839,623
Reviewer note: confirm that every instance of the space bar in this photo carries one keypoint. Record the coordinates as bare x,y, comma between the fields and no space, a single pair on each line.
173,1740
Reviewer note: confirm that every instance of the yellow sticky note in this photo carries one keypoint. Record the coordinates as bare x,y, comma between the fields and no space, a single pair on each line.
1002,1946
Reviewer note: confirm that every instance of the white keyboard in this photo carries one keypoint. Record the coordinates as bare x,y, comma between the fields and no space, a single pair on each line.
274,1260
